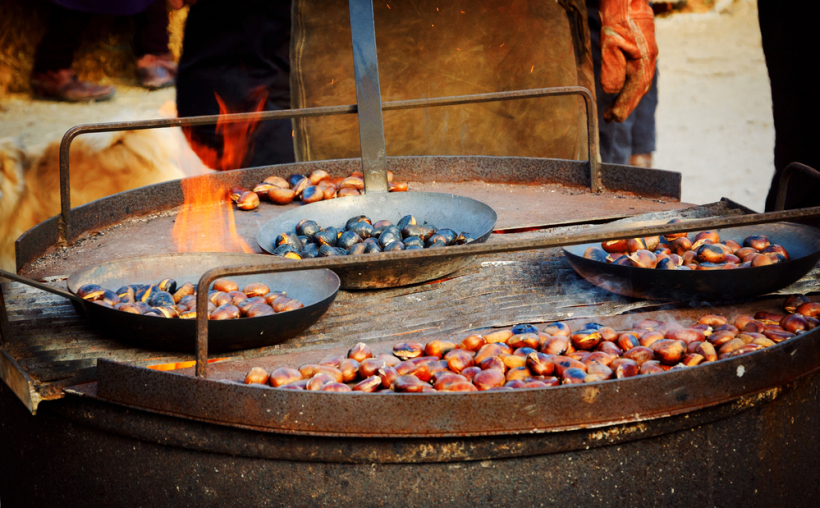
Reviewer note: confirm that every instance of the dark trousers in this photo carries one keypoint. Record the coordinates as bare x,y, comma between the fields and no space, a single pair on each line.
62,38
635,135
238,51
792,57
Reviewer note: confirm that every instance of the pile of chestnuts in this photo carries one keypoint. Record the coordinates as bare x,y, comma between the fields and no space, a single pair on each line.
362,236
168,300
525,357
678,252
317,186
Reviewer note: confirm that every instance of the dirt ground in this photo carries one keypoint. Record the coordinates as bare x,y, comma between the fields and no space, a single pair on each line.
714,116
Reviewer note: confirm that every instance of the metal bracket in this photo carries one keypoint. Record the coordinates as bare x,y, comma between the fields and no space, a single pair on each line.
64,224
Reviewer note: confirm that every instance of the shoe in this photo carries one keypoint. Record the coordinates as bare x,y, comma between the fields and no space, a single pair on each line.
156,71
642,160
63,85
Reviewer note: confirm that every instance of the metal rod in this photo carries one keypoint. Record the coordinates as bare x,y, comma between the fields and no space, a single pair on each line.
368,96
598,234
41,286
64,223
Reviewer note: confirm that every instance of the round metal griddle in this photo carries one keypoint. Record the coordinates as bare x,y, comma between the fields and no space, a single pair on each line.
316,289
441,210
801,242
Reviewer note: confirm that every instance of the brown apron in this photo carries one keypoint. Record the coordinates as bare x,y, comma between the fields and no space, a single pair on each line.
432,48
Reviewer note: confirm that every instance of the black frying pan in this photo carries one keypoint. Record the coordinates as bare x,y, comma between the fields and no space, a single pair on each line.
316,289
801,242
442,210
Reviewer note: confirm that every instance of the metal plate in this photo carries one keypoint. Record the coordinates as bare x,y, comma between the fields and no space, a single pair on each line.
442,210
316,289
801,242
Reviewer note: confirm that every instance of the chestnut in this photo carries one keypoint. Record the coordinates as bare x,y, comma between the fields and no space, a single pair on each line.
408,350
438,348
574,376
640,355
708,235
281,196
600,370
686,335
460,361
540,364
556,345
310,370
332,360
713,320
649,338
562,363
672,236
692,359
643,259
610,348
487,351
530,340
473,342
490,378
651,368
443,382
493,362
408,384
360,352
335,387
387,374
585,339
718,339
809,309
350,370
471,372
669,352
498,336
778,335
627,341
681,246
600,357
731,346
558,328
257,375
710,254
614,246
758,242
635,244
793,302
513,361
316,382
625,369
284,376
368,385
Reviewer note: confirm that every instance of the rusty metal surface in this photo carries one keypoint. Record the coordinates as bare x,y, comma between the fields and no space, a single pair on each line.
563,176
57,347
462,414
758,451
128,224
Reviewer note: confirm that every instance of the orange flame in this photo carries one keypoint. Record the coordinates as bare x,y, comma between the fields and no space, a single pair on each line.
205,222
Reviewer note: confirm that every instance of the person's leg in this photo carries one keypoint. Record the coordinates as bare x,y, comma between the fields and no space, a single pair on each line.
239,53
155,64
643,130
792,54
51,76
615,138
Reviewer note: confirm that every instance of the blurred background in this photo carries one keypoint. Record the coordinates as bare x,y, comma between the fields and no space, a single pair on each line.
714,116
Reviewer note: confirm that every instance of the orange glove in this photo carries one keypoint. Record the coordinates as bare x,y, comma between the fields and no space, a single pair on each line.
628,53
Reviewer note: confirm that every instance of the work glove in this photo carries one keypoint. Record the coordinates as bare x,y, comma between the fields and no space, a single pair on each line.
628,54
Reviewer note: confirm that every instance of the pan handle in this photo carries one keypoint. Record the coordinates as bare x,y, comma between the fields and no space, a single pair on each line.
785,176
368,96
40,285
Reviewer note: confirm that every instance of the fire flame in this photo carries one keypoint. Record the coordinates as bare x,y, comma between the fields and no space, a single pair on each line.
205,222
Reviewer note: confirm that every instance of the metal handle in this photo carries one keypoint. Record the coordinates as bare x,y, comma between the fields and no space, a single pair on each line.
41,286
586,236
4,319
368,96
785,176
